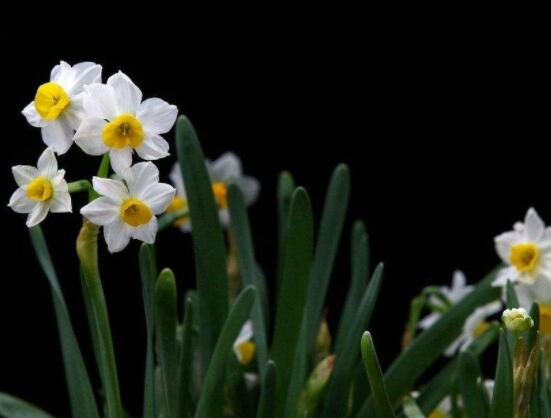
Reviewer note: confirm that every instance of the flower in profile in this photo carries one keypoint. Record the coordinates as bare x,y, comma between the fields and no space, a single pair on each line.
517,320
227,168
57,106
127,209
527,252
42,189
116,121
458,290
243,347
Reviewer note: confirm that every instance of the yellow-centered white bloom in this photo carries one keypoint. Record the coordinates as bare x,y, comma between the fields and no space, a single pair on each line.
127,209
227,168
527,252
42,189
57,106
243,347
116,121
517,319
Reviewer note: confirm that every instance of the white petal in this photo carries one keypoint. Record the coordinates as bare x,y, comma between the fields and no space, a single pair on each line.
177,180
225,168
54,74
534,225
99,102
492,308
58,182
74,112
58,135
453,347
121,159
153,148
38,214
147,232
158,196
113,189
542,291
545,243
88,136
505,274
117,236
250,187
157,116
20,203
127,94
245,334
224,218
33,117
61,202
141,176
429,320
101,211
24,174
62,74
84,73
504,242
525,295
459,279
47,164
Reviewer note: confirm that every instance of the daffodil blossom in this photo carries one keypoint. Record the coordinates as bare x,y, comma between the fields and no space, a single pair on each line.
458,290
57,106
116,121
527,252
222,171
243,347
42,189
127,209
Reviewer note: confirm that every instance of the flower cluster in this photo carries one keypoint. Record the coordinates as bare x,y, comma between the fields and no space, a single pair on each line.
113,120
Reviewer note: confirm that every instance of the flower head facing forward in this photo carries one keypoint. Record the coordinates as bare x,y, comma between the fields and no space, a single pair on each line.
42,189
118,122
222,171
526,250
57,106
243,347
127,209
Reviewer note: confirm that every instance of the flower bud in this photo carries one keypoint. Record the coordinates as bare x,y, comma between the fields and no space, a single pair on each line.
517,320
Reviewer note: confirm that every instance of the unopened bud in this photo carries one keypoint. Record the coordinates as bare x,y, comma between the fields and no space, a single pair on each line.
517,320
323,340
314,386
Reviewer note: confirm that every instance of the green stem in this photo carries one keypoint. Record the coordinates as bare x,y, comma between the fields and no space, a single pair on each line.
168,218
79,186
87,246
103,171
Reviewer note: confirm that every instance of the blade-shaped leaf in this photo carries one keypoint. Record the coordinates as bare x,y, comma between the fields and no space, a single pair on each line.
186,356
266,404
285,188
470,386
12,407
503,395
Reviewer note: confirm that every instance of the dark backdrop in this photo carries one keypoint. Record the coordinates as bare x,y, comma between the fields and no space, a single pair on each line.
445,133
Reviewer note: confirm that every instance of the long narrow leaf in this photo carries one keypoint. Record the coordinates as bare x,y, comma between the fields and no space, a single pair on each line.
285,188
12,407
81,394
208,240
470,382
266,404
502,399
185,368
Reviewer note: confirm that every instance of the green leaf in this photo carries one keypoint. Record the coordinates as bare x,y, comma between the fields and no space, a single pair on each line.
166,320
383,409
247,267
511,296
266,404
346,359
332,221
428,346
470,386
87,249
239,313
208,240
503,395
81,394
292,293
360,274
411,409
186,357
541,397
148,274
12,407
285,189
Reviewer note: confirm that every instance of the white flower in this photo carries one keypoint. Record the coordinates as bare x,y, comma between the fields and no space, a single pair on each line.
117,121
454,294
127,209
243,347
42,189
527,252
57,106
222,171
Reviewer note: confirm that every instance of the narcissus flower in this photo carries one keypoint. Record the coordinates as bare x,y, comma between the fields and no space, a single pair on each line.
222,171
118,122
526,250
42,189
127,209
57,106
243,347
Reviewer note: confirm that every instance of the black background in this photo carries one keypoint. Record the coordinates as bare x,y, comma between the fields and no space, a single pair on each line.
444,128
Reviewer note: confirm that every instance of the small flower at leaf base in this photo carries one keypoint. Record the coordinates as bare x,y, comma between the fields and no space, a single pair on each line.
118,122
227,168
243,347
517,320
127,209
57,106
42,189
526,250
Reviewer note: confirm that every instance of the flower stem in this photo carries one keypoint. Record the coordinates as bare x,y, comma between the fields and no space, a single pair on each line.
168,218
79,186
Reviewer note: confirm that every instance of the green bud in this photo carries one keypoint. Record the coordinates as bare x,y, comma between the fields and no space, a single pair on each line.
517,320
323,340
313,389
